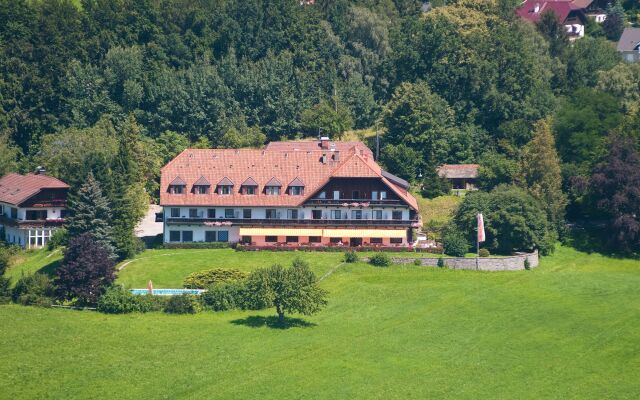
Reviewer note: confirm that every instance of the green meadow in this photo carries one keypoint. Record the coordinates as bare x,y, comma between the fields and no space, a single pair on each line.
569,329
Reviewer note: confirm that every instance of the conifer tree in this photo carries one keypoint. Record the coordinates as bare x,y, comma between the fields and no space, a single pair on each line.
90,214
541,175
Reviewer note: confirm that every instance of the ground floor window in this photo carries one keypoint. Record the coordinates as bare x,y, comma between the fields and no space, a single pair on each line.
246,239
210,236
223,236
292,239
314,239
375,240
335,240
174,236
396,240
187,236
270,239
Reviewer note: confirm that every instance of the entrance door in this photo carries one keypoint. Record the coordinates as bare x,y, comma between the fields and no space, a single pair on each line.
354,242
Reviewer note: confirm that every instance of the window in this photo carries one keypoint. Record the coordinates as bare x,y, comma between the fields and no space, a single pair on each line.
224,189
63,213
210,236
14,213
193,213
377,214
296,190
336,195
1,209
322,195
383,195
396,215
228,212
292,214
187,236
175,213
223,236
375,240
396,240
316,214
292,239
374,195
356,214
335,240
249,190
271,239
176,189
271,213
314,239
246,239
246,213
272,190
336,214
174,236
355,194
201,189
34,215
211,213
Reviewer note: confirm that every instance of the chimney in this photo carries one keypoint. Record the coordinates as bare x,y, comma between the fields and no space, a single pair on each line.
324,159
324,142
40,170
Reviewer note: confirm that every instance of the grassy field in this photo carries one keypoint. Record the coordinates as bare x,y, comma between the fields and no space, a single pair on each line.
437,211
569,329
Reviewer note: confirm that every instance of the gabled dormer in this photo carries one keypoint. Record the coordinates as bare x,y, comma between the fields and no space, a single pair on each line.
249,186
225,186
296,187
178,186
272,187
201,186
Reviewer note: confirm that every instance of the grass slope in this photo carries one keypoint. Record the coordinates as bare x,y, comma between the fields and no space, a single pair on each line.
28,262
568,329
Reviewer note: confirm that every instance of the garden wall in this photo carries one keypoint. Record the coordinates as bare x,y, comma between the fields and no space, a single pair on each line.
512,263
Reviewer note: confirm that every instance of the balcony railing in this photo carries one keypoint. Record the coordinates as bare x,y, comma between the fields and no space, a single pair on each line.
340,202
5,220
295,222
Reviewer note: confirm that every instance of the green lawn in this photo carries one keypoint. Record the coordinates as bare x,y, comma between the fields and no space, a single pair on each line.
569,329
34,260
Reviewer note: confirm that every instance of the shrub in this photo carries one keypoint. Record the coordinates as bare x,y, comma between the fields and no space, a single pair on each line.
350,257
149,302
5,290
5,258
417,262
441,262
118,300
224,296
454,243
380,260
36,289
59,238
182,304
202,279
527,264
484,253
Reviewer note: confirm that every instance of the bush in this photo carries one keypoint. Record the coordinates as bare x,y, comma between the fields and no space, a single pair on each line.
59,238
417,262
5,290
224,296
527,264
454,243
380,260
441,262
149,302
484,253
118,300
36,289
5,258
182,304
203,279
350,257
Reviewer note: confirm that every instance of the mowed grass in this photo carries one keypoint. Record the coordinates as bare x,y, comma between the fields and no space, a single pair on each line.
28,262
569,329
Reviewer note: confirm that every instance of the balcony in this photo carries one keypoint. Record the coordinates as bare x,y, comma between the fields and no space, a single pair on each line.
295,222
36,223
351,202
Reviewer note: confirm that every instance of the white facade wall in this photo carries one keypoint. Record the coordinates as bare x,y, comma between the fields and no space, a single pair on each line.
28,237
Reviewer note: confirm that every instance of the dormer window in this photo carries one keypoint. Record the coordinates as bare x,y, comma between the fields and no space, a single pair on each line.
296,187
272,188
201,186
249,186
177,186
225,186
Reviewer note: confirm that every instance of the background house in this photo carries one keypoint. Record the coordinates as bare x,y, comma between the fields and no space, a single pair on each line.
571,13
629,44
461,176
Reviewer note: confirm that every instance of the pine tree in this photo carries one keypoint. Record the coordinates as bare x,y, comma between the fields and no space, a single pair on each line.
129,198
541,175
613,25
90,214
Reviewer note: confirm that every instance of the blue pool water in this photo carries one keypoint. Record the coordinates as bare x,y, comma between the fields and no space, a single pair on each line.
168,292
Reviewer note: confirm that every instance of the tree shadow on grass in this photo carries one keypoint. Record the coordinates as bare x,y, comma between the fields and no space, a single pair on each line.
256,321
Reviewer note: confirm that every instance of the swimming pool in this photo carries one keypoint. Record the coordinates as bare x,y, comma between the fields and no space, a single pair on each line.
168,292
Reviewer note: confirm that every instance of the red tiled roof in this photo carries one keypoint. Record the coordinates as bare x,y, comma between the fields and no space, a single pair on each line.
458,170
249,182
265,167
296,182
312,145
178,182
561,8
202,181
16,188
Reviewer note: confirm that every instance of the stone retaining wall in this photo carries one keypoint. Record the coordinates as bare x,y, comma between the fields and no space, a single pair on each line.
512,263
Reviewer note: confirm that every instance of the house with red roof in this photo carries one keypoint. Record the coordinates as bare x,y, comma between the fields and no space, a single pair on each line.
571,13
314,193
32,207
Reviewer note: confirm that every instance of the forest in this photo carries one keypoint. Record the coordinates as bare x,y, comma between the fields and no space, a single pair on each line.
119,87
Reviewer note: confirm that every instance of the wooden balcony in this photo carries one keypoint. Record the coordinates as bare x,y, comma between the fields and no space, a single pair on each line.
353,202
37,223
387,223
